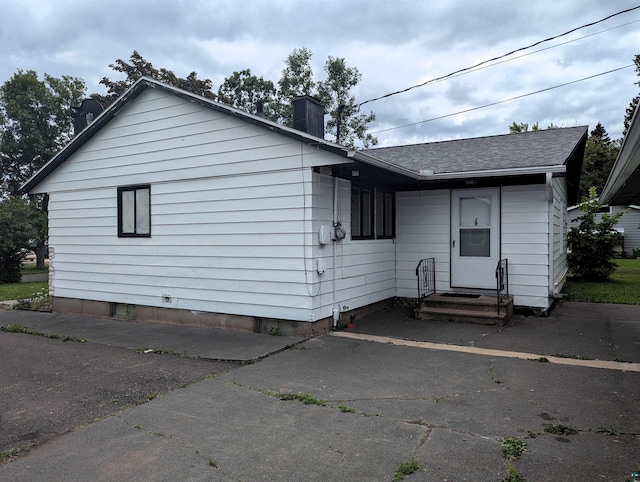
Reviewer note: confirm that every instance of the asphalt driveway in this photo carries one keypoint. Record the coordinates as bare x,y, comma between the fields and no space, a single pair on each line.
354,406
49,387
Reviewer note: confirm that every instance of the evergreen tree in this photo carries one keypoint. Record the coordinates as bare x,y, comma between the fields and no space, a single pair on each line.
600,154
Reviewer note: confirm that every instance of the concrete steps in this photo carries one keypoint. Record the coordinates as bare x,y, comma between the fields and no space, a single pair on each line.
465,308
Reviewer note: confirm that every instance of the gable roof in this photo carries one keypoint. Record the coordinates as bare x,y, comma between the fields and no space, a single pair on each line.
147,83
554,150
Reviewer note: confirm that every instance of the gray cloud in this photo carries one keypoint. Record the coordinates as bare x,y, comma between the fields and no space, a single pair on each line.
393,44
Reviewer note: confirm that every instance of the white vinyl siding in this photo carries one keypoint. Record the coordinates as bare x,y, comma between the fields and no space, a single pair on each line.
559,221
231,214
525,243
422,231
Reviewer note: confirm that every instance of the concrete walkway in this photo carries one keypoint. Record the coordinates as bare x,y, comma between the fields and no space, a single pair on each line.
371,406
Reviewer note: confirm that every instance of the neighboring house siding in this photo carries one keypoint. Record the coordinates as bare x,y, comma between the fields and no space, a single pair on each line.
525,243
231,218
630,222
422,231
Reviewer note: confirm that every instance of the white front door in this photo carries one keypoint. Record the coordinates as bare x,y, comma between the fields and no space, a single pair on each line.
475,237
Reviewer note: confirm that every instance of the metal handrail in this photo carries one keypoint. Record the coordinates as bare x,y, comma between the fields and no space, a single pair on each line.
426,273
502,279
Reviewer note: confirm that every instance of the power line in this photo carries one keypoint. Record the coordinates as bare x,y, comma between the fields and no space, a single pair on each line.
503,101
497,58
539,50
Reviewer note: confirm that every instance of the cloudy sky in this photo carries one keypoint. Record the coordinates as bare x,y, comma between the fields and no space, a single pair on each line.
394,44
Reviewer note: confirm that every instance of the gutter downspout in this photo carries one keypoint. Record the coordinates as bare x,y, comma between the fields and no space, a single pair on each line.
335,309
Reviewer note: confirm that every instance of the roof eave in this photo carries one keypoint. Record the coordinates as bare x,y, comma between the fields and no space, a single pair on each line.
516,171
627,163
136,89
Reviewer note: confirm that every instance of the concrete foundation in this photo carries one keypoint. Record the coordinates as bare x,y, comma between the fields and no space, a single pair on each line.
173,316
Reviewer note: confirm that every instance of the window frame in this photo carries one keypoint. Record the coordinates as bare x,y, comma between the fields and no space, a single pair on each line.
372,214
385,217
136,211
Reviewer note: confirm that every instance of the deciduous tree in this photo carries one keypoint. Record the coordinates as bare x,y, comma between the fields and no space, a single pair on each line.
20,223
35,123
137,67
244,90
335,92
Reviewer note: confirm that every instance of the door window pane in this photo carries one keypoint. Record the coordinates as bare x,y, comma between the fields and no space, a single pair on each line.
475,211
475,242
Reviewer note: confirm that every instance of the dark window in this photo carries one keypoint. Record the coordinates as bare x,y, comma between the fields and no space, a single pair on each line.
134,211
364,203
384,215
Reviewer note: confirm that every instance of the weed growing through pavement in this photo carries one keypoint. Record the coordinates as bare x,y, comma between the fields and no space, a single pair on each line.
29,331
513,475
542,359
274,331
301,397
345,409
147,398
561,429
574,357
7,454
405,469
513,447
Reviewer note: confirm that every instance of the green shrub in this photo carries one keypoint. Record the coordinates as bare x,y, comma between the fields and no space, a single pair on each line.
591,243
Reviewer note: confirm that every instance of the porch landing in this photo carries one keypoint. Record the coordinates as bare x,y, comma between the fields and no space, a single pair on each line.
467,308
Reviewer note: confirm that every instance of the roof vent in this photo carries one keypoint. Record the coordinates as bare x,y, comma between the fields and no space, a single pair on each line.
308,115
84,115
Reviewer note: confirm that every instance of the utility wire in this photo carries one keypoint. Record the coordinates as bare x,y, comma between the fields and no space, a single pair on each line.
472,69
497,58
503,101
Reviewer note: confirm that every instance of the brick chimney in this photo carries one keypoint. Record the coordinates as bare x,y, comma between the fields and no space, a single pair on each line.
308,115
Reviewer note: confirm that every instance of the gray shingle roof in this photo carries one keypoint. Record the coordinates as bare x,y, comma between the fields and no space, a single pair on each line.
551,147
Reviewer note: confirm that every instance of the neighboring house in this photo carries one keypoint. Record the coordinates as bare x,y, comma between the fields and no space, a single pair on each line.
623,186
174,208
628,226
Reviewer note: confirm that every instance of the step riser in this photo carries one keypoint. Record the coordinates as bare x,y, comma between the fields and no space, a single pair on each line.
482,310
468,306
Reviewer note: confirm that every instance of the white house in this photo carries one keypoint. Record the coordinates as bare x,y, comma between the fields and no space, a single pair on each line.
170,207
623,185
628,227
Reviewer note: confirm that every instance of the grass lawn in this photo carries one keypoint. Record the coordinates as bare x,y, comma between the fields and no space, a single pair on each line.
624,287
15,291
30,268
